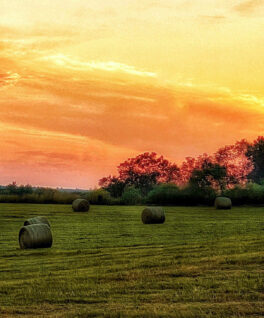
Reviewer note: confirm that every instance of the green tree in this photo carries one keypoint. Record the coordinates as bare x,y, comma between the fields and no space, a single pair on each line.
131,196
211,175
255,153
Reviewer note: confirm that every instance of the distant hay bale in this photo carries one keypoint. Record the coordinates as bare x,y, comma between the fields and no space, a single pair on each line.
153,215
80,205
37,220
223,203
35,236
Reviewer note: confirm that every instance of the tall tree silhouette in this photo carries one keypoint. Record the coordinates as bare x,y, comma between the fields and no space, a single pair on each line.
255,153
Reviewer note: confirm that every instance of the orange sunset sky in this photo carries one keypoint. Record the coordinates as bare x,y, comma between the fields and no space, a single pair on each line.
85,84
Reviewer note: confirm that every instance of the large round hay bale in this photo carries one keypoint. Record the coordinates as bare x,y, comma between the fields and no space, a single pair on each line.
37,220
153,215
35,236
223,203
80,205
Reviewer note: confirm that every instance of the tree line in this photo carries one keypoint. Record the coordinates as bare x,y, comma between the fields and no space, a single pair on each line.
230,168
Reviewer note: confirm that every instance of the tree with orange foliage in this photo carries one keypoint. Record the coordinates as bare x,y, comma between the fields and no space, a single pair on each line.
189,165
238,165
143,172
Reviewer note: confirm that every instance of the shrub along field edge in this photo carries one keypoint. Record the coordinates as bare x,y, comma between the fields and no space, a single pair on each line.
163,194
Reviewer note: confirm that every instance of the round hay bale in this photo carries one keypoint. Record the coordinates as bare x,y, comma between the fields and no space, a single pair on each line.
80,205
35,236
37,220
153,215
223,203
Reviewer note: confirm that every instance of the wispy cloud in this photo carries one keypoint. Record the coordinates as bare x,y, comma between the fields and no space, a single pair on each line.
212,19
8,79
110,66
249,6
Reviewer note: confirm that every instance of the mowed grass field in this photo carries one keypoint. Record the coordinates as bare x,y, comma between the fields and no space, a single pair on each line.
200,263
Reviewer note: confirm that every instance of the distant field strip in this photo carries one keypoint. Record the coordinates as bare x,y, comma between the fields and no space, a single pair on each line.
200,263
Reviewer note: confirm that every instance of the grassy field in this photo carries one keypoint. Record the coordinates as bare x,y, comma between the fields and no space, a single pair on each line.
106,263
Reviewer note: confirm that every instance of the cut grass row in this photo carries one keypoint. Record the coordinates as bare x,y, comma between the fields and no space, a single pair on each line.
200,263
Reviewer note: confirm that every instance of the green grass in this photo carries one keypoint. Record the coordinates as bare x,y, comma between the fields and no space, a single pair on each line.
106,263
